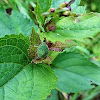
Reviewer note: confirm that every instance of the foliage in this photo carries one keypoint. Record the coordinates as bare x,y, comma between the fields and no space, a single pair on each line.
48,46
75,28
92,5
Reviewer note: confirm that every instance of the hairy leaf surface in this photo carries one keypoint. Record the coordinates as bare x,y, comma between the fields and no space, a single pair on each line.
76,28
13,56
34,82
75,72
35,42
20,80
15,23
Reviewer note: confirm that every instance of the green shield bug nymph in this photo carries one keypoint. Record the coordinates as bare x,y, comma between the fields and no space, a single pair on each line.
42,50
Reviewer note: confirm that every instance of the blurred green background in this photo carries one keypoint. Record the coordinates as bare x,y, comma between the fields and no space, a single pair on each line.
92,5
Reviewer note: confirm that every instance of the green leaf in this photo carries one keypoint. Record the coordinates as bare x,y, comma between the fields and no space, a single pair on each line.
35,39
35,42
22,9
15,23
42,6
34,82
55,95
75,73
96,49
13,56
80,10
79,49
78,28
20,80
75,4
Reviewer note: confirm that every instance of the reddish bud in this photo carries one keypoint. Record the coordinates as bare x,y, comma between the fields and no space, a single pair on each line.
69,8
62,5
52,10
66,4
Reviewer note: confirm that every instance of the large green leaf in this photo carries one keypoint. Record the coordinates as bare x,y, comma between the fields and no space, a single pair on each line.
75,73
13,56
20,80
76,28
34,82
15,23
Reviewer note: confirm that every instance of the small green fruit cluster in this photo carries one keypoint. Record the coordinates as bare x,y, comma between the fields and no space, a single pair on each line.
42,50
65,6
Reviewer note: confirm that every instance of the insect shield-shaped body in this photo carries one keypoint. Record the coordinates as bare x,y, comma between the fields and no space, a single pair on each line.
42,50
